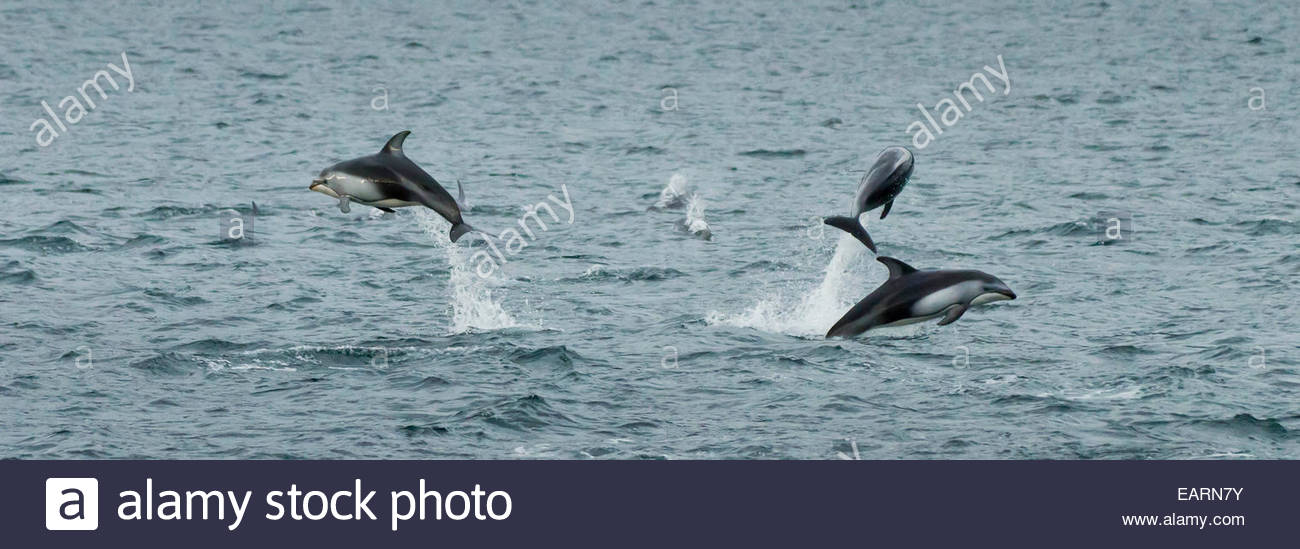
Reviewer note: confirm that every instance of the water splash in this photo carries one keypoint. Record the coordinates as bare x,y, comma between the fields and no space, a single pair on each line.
694,222
844,283
674,195
472,304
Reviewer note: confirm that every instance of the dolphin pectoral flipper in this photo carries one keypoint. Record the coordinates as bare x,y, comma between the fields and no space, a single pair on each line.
954,313
343,203
885,212
389,210
852,226
460,197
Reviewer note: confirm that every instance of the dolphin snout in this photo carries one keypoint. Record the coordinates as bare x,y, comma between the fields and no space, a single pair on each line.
1007,292
315,182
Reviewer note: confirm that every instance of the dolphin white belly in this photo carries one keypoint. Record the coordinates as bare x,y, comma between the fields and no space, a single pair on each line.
361,190
935,303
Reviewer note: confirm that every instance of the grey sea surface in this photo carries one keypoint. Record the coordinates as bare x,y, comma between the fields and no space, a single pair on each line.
131,327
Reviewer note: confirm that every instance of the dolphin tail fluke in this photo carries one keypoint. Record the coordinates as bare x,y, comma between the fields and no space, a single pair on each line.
458,230
852,226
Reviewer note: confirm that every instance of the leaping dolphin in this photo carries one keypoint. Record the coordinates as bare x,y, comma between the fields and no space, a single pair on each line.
387,180
881,184
911,296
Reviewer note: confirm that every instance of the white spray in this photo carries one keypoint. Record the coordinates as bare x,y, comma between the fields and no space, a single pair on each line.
472,305
847,280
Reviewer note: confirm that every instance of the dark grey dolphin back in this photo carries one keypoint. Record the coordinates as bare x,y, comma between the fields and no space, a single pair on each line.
423,186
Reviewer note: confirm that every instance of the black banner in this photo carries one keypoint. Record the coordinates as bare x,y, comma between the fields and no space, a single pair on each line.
646,504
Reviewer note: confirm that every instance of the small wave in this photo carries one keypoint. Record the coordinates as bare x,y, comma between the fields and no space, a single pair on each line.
210,345
262,75
1068,228
171,298
1248,425
167,212
518,414
431,429
1268,226
430,382
143,240
63,227
762,266
14,273
45,244
1112,98
1133,392
8,180
163,363
783,153
558,355
602,272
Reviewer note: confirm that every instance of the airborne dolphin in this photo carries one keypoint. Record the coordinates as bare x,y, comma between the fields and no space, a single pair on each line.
911,296
387,180
881,184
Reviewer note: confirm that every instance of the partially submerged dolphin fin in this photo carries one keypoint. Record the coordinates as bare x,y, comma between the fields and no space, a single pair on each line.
953,314
460,197
343,203
897,268
852,226
394,145
885,212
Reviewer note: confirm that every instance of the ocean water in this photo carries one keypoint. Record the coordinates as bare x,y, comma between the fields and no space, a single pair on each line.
130,328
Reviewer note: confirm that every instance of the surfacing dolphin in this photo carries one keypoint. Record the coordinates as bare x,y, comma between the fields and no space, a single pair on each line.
911,296
881,184
387,180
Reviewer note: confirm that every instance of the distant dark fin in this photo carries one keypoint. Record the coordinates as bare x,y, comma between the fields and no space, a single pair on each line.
394,145
459,230
254,208
885,212
896,268
850,225
953,314
389,210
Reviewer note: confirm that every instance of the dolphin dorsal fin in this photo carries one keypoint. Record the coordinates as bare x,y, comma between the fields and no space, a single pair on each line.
394,145
896,268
